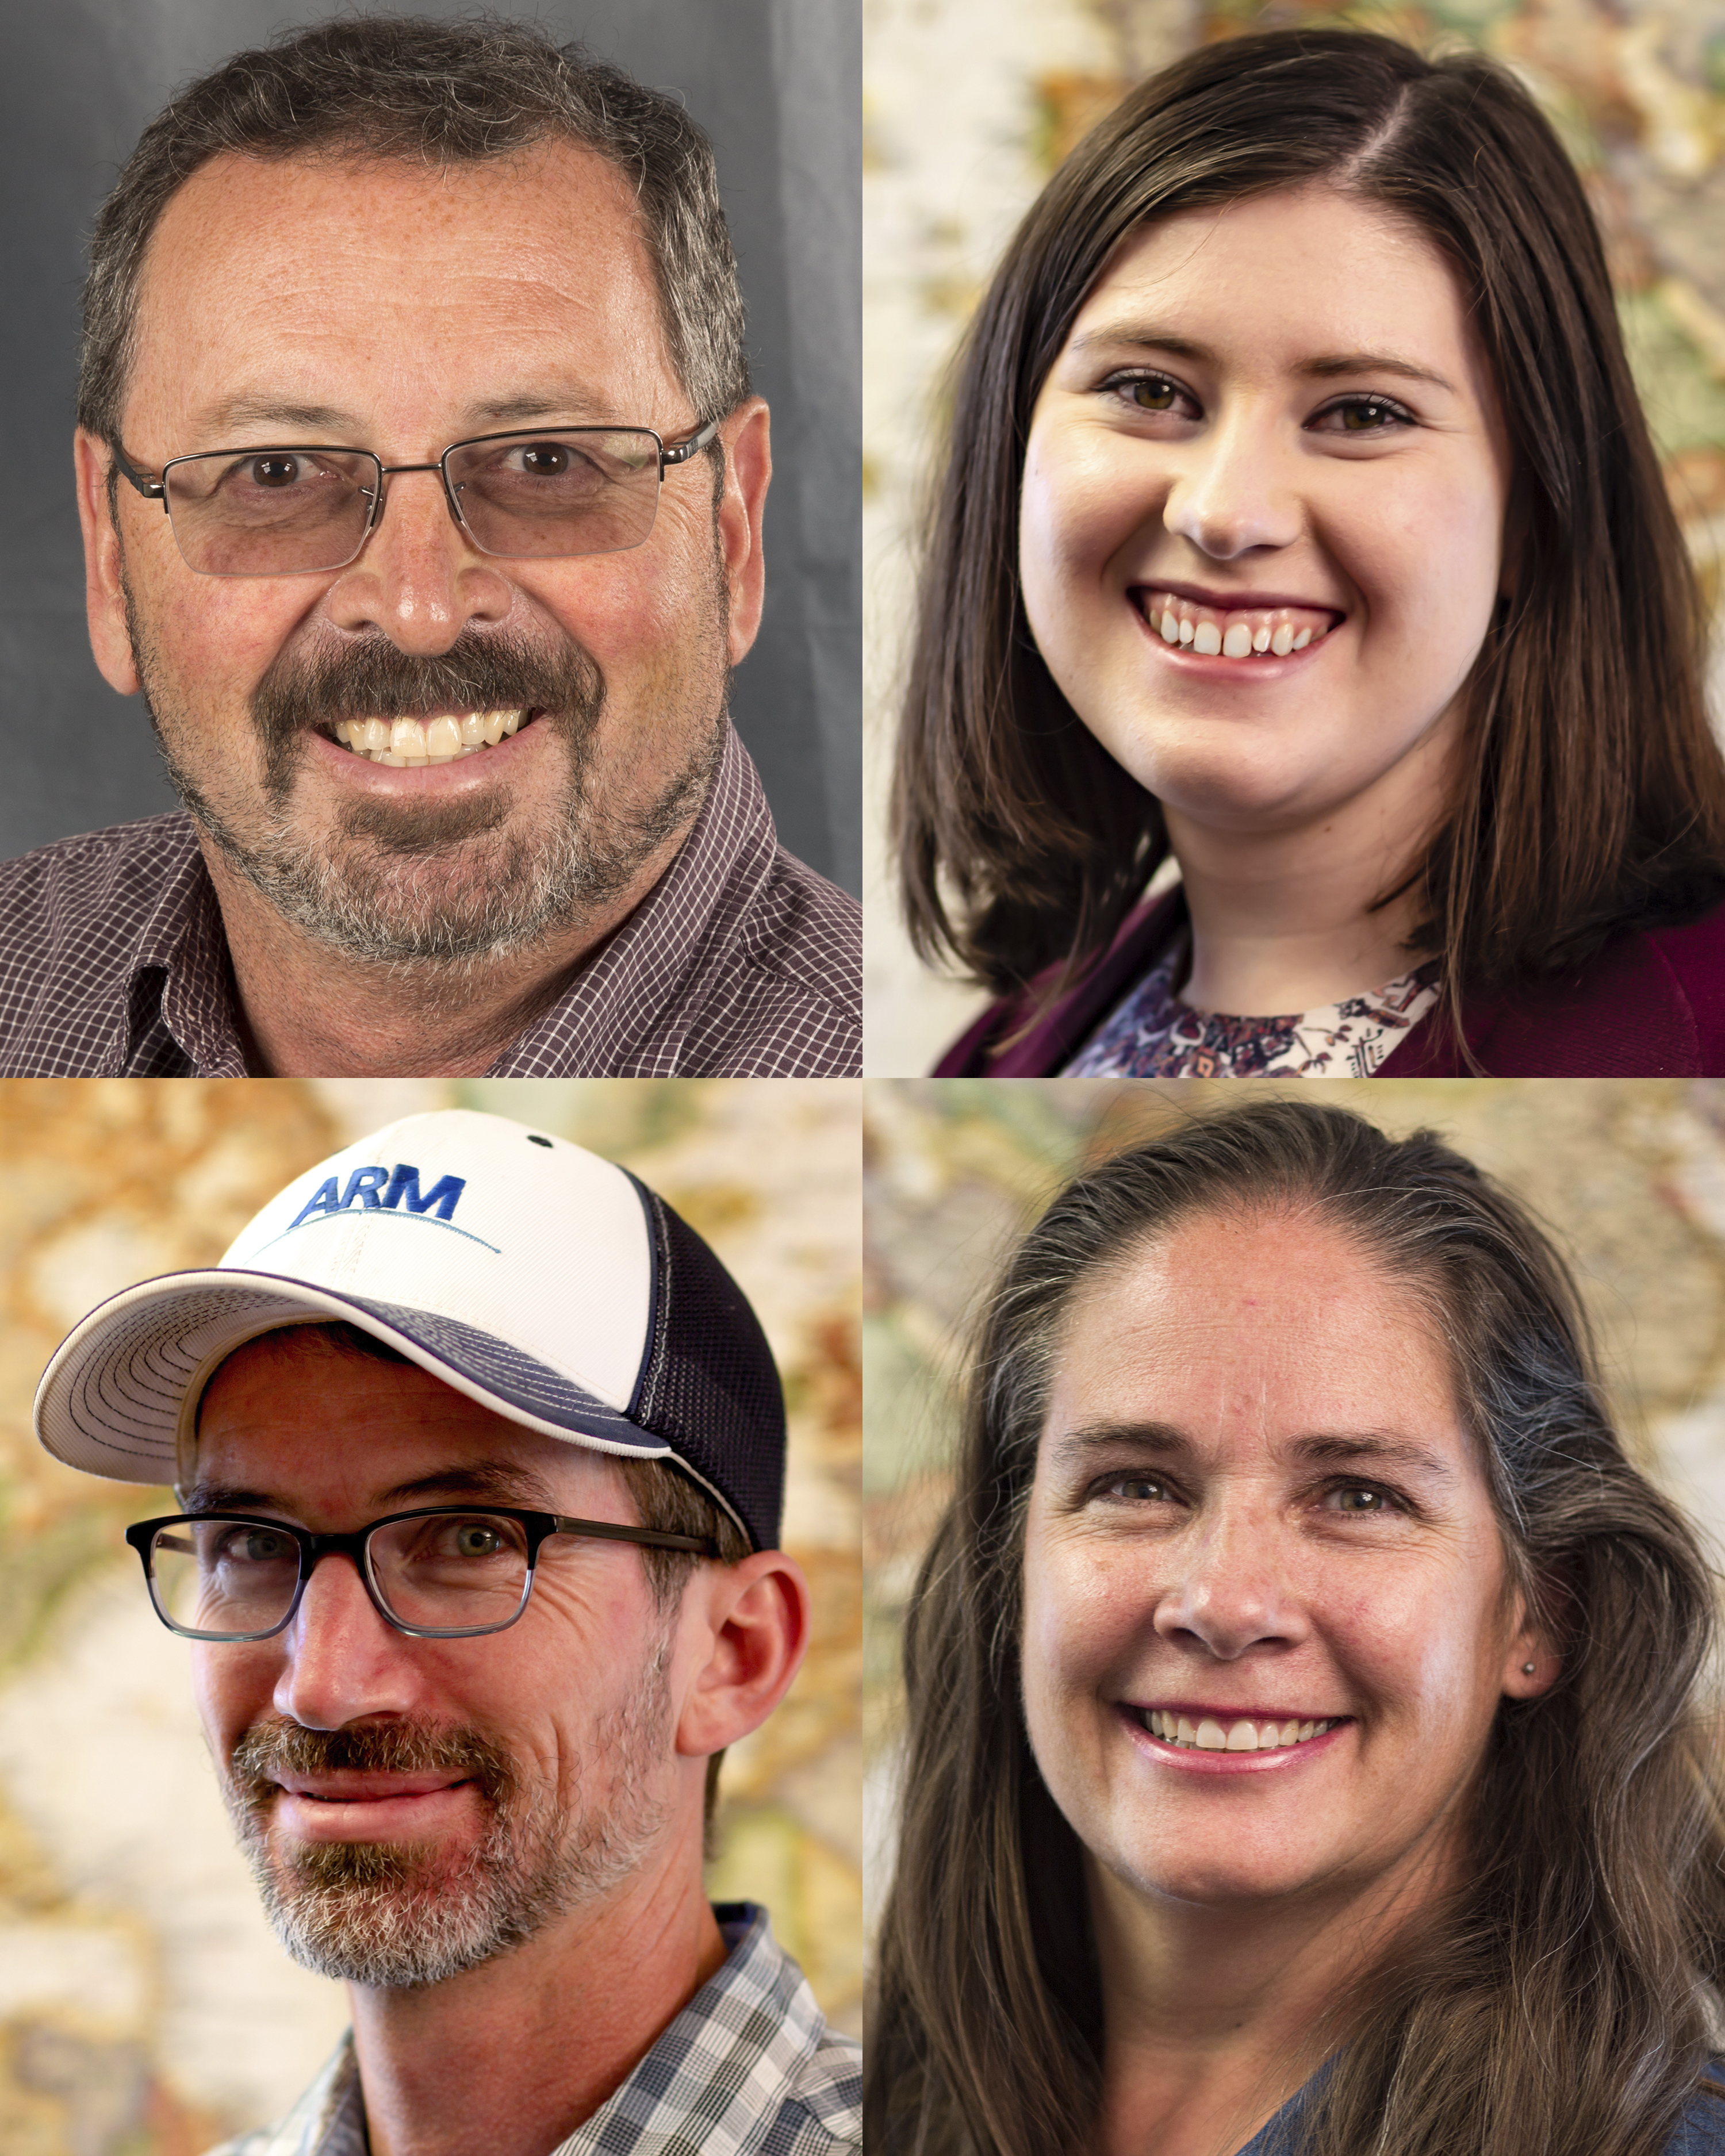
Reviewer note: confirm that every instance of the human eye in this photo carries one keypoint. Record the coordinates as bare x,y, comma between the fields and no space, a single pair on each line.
245,1547
1156,394
1364,416
1370,1500
1131,1486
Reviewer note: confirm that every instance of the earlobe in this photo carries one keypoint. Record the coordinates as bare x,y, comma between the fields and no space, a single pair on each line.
753,1625
104,585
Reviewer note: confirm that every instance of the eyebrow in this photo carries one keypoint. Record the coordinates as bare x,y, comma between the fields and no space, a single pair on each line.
1163,1441
492,1481
1322,368
574,406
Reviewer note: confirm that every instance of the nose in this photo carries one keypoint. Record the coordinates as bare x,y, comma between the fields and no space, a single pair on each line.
1230,1591
1234,490
340,1661
419,577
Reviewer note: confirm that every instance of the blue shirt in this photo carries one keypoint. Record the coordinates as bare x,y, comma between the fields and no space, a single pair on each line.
1700,2131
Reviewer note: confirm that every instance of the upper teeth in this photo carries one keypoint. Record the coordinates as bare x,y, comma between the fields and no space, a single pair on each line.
1209,1736
438,741
1278,630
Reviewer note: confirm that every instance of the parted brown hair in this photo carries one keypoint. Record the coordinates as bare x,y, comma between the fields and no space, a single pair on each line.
1556,2006
1591,793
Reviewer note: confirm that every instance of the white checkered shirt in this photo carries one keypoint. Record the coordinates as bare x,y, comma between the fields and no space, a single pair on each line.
741,962
748,2068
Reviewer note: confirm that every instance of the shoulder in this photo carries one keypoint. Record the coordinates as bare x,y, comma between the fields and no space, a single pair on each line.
74,918
784,992
822,2108
96,864
1649,1003
1035,1034
1700,2131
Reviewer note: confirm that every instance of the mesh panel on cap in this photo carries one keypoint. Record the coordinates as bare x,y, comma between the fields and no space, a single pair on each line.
712,1390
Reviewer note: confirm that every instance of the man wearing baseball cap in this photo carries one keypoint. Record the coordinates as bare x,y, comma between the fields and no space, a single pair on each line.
480,1456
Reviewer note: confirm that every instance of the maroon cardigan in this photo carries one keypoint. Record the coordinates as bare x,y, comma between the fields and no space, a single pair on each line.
1650,1003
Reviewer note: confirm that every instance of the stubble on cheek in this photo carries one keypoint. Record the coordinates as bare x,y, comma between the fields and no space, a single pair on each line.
450,883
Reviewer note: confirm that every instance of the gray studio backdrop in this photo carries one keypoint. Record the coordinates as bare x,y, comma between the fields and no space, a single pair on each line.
776,83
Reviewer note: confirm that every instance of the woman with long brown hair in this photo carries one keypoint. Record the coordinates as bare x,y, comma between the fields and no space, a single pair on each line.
1301,532
1310,1744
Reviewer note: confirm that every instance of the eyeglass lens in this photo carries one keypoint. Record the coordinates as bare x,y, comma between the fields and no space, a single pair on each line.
229,1579
289,511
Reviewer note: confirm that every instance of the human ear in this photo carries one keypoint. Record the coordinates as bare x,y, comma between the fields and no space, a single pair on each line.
746,435
753,1628
104,585
1537,1642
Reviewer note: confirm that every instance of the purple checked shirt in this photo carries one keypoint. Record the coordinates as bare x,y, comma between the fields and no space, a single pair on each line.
741,962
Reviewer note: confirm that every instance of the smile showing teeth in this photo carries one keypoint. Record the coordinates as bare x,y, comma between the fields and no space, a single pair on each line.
1244,634
1208,1736
403,742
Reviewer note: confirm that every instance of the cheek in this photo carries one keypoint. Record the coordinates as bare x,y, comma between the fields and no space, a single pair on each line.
1427,557
232,1687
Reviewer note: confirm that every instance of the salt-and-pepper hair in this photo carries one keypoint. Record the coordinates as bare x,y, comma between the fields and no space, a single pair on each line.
448,93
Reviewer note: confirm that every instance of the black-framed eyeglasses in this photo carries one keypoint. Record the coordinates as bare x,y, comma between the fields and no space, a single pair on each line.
539,494
445,1571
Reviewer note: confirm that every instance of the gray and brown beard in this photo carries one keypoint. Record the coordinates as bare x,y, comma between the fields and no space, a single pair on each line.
432,885
398,1916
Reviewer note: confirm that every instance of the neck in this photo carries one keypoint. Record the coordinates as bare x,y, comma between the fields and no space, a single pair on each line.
306,1010
1288,919
513,2056
1215,2016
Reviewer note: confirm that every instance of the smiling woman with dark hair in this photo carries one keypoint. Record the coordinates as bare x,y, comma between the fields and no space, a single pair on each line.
1301,530
1309,1742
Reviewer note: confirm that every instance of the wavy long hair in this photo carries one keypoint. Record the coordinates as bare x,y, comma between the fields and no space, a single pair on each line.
1559,2004
1591,793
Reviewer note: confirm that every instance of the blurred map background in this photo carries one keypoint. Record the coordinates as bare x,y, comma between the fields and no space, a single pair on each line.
145,2009
1629,1174
969,106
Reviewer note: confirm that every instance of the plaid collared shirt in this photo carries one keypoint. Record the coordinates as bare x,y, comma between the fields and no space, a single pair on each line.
748,2068
741,962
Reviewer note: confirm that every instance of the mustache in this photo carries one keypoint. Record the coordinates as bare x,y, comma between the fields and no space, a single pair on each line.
276,1746
370,678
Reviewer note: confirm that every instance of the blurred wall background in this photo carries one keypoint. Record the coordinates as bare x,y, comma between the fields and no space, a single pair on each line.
969,106
1629,1174
774,84
146,2009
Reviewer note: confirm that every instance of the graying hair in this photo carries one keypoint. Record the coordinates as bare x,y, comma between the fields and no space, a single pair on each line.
403,87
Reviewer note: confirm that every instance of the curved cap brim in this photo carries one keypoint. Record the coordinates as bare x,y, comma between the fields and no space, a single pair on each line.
110,1401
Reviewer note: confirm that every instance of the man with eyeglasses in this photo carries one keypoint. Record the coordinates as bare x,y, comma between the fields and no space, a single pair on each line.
480,1453
422,489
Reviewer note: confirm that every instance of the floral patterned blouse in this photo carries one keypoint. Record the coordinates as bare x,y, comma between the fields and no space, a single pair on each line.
1152,1035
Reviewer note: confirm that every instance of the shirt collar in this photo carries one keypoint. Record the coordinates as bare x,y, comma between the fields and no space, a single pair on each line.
727,2061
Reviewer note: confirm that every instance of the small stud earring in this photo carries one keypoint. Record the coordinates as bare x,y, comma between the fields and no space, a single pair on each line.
1528,1669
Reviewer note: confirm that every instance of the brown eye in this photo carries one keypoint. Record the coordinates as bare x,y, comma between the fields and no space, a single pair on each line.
274,471
1153,396
546,460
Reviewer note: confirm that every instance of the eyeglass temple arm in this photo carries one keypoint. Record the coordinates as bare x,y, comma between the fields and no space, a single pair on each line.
153,489
607,1530
679,453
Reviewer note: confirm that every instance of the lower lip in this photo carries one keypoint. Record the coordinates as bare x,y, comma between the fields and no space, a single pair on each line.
1214,667
1193,1761
460,773
375,1819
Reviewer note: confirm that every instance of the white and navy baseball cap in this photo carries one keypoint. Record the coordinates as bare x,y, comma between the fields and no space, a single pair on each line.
538,1279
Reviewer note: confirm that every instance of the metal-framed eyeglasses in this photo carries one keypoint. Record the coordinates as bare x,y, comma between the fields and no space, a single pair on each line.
444,1572
541,494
